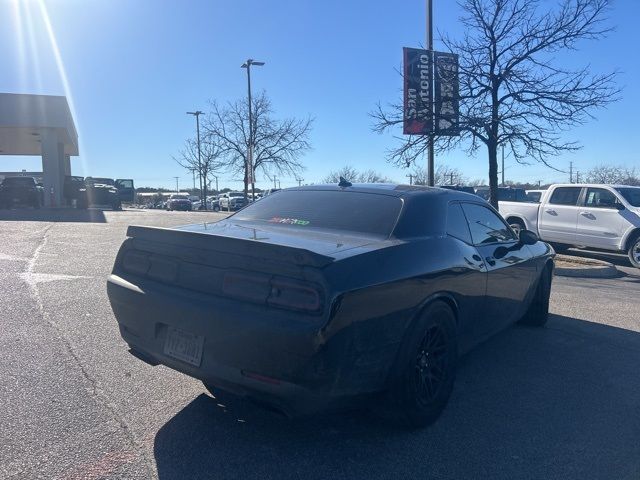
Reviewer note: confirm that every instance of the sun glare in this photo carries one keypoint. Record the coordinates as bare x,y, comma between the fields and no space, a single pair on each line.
28,16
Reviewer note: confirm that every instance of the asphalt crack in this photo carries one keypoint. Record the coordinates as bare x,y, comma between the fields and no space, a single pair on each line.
97,393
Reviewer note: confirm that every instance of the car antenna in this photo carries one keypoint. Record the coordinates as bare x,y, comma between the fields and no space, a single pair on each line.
344,183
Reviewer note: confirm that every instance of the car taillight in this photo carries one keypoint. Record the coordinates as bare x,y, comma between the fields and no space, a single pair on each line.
276,292
292,295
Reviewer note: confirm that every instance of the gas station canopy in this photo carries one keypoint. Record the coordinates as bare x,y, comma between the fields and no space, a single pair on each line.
40,125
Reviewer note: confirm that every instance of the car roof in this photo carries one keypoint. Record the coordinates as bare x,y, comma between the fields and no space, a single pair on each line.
395,190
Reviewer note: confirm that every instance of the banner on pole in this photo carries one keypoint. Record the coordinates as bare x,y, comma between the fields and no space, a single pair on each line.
447,94
418,102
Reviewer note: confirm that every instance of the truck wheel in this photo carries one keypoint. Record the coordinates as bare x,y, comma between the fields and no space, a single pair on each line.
426,367
216,208
538,312
516,225
634,251
560,247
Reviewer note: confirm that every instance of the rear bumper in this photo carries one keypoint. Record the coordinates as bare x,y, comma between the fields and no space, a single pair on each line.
248,350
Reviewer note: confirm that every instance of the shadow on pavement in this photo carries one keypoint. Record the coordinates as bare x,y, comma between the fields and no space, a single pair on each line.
558,402
91,215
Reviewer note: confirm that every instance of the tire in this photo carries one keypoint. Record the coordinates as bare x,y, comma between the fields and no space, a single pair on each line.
426,367
560,247
216,208
634,251
538,312
516,225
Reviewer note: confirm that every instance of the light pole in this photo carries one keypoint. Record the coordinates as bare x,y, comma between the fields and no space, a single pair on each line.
177,189
431,158
249,161
197,114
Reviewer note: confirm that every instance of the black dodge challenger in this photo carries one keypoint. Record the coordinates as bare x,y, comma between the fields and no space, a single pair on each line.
321,296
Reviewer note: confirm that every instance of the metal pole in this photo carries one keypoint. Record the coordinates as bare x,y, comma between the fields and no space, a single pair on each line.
197,114
203,201
431,158
249,166
194,180
570,172
177,189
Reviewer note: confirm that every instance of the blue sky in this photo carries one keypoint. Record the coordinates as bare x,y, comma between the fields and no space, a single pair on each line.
132,68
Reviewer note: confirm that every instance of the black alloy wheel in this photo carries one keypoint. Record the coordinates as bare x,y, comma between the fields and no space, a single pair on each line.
431,364
426,367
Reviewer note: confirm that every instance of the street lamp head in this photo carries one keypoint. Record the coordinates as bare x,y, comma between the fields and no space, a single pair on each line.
196,113
250,62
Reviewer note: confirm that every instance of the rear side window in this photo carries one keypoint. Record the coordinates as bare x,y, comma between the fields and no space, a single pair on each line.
565,196
357,212
485,225
457,223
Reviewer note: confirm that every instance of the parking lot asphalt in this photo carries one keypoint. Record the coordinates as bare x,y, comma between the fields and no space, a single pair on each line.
558,402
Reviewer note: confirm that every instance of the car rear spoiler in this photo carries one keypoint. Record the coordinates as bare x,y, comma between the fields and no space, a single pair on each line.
239,246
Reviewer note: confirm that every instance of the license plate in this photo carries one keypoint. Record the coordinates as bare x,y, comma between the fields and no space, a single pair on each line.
184,346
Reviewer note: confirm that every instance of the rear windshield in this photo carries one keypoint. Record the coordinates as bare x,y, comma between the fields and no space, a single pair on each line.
19,181
356,212
631,195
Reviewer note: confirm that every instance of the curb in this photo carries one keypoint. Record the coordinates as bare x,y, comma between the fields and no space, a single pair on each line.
585,268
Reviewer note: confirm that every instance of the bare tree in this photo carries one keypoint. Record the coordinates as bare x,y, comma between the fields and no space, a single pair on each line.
353,175
444,175
210,159
513,91
278,144
613,174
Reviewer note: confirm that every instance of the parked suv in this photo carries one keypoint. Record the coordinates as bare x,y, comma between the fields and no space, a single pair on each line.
599,216
179,202
96,191
19,191
232,201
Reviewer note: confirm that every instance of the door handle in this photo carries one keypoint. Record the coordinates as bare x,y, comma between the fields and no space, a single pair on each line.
587,214
551,212
491,261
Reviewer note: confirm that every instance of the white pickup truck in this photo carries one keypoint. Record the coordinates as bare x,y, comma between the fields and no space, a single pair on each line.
584,215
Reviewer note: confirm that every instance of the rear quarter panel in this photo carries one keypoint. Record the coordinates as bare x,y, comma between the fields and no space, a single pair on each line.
377,294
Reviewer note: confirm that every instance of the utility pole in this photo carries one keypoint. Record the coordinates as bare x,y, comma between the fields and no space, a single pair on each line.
177,189
410,176
570,172
503,165
451,178
300,180
249,160
197,114
577,176
431,159
274,181
194,180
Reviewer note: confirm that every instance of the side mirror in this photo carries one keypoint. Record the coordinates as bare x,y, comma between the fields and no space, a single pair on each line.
527,237
500,252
